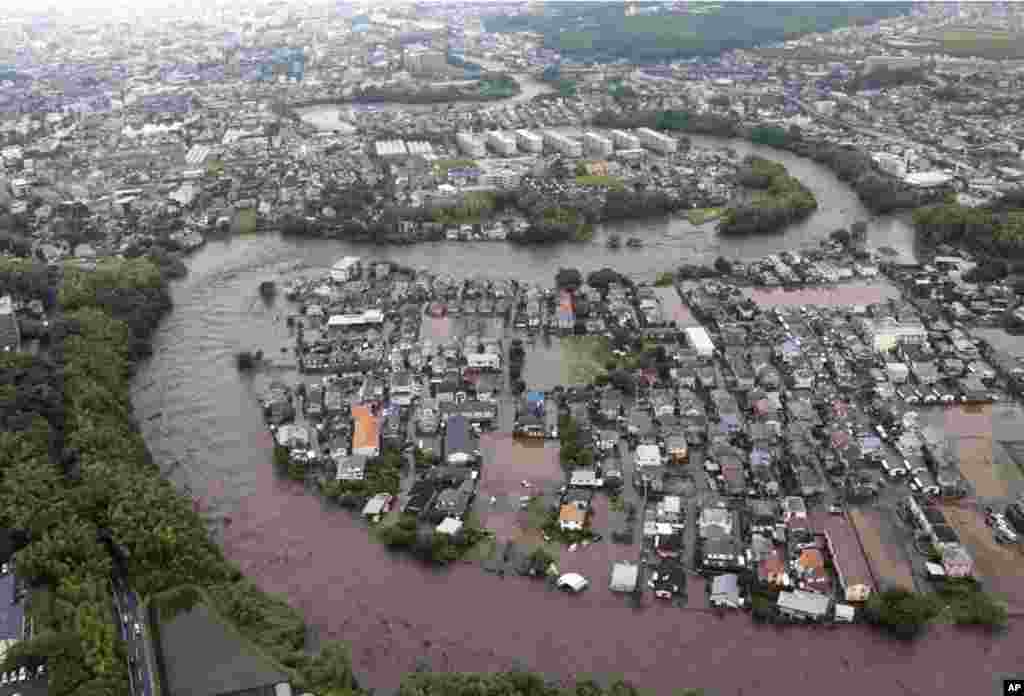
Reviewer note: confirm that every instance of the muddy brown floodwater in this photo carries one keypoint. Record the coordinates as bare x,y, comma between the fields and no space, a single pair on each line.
395,613
202,422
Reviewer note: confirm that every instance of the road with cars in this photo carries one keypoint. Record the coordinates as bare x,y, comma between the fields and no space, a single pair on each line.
136,634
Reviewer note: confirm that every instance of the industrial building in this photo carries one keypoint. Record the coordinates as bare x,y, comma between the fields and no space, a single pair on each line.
632,155
895,63
470,144
391,149
501,143
597,145
420,61
656,141
563,144
625,141
529,142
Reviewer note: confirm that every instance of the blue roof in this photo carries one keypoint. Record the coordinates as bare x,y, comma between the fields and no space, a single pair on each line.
534,396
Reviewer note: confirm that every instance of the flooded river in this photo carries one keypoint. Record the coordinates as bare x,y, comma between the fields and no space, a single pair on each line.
203,425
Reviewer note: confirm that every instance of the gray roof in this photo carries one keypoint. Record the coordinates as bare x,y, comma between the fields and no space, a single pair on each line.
10,334
624,577
202,655
808,603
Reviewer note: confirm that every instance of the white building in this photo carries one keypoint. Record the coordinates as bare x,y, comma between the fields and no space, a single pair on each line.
470,144
625,141
346,269
598,145
529,142
887,333
391,149
653,140
632,155
562,143
504,145
825,107
928,179
890,164
501,178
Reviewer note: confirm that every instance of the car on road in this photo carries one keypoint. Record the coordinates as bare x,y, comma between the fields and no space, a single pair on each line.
138,629
572,582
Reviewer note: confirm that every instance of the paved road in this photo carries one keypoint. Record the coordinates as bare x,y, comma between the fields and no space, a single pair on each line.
136,634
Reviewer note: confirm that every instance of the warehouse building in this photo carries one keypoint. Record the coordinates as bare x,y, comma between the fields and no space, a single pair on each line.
598,145
529,142
471,145
504,145
656,141
563,144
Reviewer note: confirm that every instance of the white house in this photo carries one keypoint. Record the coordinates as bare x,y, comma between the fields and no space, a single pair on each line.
484,361
345,269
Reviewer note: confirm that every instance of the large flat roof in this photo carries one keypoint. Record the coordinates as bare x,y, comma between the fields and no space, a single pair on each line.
203,655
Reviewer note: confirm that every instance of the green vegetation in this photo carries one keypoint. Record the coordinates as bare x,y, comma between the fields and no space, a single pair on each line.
699,216
215,167
244,221
780,201
665,280
970,606
585,358
576,40
969,42
508,684
995,231
606,181
101,486
594,31
574,453
383,475
902,613
501,86
880,193
567,88
474,207
406,534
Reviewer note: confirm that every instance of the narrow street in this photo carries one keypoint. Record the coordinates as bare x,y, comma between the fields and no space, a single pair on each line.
136,633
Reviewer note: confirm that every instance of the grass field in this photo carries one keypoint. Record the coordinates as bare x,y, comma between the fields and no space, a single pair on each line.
699,216
607,181
584,358
983,43
576,40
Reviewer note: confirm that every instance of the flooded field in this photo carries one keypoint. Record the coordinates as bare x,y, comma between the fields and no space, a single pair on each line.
1000,566
508,462
983,438
847,294
887,559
